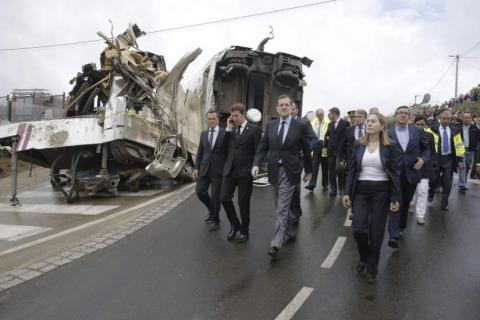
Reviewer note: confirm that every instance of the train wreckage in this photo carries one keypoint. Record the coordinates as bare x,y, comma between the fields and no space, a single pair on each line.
131,121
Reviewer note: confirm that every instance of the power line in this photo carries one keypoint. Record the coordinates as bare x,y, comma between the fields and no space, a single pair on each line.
472,48
443,76
474,67
179,27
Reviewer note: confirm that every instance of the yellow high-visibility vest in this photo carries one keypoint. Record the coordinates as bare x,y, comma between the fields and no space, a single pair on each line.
314,124
459,146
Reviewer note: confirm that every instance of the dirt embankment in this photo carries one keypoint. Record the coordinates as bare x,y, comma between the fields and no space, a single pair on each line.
6,166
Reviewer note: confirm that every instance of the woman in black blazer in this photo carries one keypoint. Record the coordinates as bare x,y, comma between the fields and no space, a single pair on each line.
373,188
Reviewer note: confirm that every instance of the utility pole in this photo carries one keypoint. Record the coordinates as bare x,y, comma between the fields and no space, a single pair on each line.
457,59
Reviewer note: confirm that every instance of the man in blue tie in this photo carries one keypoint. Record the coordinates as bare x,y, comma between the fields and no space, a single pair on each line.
451,153
284,141
413,152
211,155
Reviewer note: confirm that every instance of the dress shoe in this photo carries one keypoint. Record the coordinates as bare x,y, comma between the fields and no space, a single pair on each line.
360,267
371,278
393,243
242,238
295,221
444,205
430,198
311,188
231,235
462,188
290,239
213,226
208,219
420,221
332,194
273,252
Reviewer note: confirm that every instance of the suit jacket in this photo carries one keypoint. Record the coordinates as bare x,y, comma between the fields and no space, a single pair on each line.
347,143
453,131
290,152
241,150
474,137
388,156
334,137
417,147
211,160
428,168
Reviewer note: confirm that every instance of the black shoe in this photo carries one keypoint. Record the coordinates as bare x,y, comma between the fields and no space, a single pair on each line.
242,238
462,188
289,240
371,278
325,188
295,221
332,194
231,235
444,205
430,198
393,243
310,188
273,252
213,226
360,267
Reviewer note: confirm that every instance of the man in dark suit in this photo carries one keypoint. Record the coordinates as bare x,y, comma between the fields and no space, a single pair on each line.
243,141
413,152
353,133
284,140
450,156
333,140
470,137
208,171
295,205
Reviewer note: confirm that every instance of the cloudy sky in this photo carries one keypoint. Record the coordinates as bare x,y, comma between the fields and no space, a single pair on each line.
366,52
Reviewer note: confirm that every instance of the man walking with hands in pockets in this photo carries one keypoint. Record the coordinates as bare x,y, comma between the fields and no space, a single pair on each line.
284,139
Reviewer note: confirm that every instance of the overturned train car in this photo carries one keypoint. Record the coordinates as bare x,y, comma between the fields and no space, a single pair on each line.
131,120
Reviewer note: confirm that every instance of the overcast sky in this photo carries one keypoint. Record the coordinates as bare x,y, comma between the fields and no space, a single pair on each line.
366,52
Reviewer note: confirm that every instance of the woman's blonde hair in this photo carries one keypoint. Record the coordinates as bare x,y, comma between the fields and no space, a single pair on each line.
384,138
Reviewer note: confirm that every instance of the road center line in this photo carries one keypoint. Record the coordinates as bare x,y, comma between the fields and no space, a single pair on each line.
348,222
295,304
89,224
334,253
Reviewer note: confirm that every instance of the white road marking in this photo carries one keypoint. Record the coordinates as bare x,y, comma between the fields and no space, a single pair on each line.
56,194
83,209
10,232
334,253
295,304
87,225
348,222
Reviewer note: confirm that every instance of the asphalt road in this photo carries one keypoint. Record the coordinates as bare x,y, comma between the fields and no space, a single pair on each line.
175,269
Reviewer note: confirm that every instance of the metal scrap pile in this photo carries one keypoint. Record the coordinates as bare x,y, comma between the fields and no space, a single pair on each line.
143,73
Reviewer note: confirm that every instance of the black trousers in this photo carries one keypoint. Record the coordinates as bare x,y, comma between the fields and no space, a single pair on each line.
370,205
397,221
212,200
443,177
334,171
318,161
245,188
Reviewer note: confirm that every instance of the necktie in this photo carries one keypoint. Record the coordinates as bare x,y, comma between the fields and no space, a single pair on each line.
238,130
280,134
360,132
445,140
319,130
210,138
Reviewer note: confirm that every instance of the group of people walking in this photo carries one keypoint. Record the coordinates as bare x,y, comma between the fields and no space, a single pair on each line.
377,169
